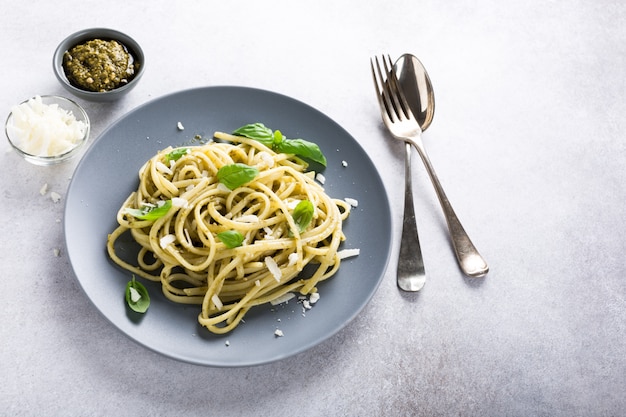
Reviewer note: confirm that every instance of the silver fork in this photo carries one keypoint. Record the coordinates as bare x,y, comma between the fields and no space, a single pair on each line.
411,275
402,124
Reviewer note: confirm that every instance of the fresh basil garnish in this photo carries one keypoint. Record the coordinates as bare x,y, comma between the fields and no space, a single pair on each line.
149,212
176,154
279,143
303,214
236,175
137,296
231,238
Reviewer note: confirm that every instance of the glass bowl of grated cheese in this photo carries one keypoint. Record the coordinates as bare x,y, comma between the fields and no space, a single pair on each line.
47,130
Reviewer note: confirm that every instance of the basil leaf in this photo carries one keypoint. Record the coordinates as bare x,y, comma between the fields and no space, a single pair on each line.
137,296
303,214
256,131
176,154
279,143
236,175
231,238
303,148
150,213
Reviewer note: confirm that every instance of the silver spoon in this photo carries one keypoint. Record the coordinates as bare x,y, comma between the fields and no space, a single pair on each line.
419,94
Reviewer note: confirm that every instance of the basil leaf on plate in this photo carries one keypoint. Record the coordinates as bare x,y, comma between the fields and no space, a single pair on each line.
137,296
231,238
176,154
150,213
303,214
258,132
279,143
236,175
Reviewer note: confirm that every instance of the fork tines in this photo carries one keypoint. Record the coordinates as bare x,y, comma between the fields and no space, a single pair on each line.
393,104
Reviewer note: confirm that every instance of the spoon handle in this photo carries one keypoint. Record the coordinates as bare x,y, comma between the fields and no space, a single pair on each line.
411,274
470,260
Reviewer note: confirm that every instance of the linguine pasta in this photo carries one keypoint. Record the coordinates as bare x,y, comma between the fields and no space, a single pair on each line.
185,249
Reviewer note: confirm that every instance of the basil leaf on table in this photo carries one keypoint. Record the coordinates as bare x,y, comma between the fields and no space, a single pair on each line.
236,175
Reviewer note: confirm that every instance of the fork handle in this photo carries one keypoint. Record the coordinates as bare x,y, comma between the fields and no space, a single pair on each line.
411,274
470,260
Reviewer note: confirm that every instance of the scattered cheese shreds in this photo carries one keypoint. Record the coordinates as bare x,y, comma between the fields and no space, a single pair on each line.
291,204
353,202
161,167
134,295
344,163
348,253
282,299
44,189
278,333
180,126
166,240
250,218
266,159
314,298
180,202
320,178
272,266
293,258
216,300
56,197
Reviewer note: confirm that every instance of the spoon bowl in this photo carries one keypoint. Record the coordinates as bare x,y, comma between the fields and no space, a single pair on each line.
417,88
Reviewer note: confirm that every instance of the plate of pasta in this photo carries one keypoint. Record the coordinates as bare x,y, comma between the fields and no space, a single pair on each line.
227,226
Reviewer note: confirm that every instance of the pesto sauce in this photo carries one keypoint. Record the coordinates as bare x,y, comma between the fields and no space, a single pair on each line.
99,65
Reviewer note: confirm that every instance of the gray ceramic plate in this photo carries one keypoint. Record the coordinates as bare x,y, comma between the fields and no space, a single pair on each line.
108,173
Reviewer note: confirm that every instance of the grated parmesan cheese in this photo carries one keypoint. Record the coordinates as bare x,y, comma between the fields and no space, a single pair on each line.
216,300
134,295
250,218
278,333
180,202
272,266
56,197
348,253
180,126
353,202
166,240
45,130
293,258
162,168
320,178
314,298
44,189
